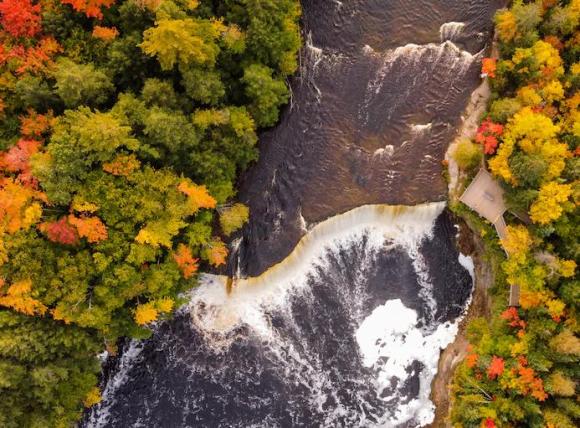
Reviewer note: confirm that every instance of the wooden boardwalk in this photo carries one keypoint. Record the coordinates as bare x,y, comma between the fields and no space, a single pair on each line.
485,196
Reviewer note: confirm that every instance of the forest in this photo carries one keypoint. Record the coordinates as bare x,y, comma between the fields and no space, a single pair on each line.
522,365
124,125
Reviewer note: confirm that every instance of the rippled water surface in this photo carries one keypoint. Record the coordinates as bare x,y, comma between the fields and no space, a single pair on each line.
378,99
345,296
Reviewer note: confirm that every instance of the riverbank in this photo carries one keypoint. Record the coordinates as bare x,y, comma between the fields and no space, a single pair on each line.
470,244
474,111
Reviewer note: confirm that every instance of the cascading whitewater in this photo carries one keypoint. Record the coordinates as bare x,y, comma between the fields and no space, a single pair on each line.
344,318
286,324
426,60
451,30
214,309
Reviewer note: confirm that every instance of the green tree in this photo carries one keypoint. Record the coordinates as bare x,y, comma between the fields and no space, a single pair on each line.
160,93
46,370
267,94
504,108
273,34
467,154
78,84
80,139
204,86
529,169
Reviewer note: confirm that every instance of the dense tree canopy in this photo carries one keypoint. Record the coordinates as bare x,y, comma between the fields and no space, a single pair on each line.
522,367
123,127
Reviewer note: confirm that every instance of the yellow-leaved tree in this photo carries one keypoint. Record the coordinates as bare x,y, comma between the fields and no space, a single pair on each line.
549,205
183,41
534,134
518,242
18,296
233,217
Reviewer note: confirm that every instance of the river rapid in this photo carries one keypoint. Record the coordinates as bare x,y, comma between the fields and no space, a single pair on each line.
348,283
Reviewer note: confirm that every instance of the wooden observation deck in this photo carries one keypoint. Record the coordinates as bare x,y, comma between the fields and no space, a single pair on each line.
485,196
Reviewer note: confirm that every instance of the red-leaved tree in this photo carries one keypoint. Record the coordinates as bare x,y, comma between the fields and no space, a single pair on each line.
488,134
20,18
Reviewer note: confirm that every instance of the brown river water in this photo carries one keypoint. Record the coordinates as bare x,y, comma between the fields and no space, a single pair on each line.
378,98
347,279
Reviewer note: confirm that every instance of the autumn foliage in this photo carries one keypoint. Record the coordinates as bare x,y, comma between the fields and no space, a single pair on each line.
495,368
20,206
18,297
20,18
488,134
198,196
489,423
117,175
216,252
33,59
122,165
91,228
60,231
521,366
488,67
91,8
35,125
17,159
185,260
105,33
145,314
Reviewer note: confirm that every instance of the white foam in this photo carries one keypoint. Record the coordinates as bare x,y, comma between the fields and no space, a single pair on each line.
450,30
420,128
368,50
388,150
390,342
214,311
100,414
302,222
467,263
314,55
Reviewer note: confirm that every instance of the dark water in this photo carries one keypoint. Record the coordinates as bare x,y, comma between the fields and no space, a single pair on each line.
371,70
305,369
378,98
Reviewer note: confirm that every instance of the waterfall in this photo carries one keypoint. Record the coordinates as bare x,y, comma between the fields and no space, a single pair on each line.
390,331
356,283
215,310
390,340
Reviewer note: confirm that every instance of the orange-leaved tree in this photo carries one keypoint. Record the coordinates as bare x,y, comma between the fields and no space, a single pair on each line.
91,8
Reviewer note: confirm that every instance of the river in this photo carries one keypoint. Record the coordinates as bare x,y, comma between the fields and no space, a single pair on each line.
348,279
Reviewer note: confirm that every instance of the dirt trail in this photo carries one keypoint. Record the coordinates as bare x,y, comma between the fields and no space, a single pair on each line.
471,118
